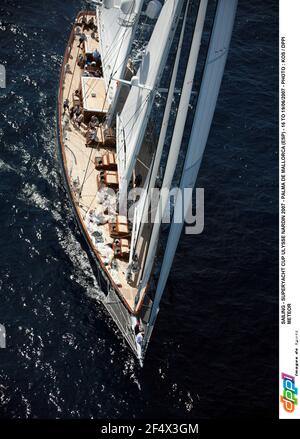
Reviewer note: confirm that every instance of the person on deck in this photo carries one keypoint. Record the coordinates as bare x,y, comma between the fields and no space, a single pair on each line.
77,111
83,20
139,338
135,264
81,61
94,121
71,112
96,56
91,24
138,180
129,273
82,39
91,137
66,105
84,23
137,328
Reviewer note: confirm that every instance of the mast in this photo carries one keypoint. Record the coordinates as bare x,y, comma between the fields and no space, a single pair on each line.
210,86
176,140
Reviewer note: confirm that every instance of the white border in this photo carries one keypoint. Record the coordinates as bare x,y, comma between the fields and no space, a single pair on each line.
290,29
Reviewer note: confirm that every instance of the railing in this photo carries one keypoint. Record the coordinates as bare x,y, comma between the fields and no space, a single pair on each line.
60,97
67,54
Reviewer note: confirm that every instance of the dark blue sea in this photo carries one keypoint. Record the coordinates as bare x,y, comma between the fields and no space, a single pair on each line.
214,349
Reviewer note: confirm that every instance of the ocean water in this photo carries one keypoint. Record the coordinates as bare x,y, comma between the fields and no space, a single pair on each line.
214,348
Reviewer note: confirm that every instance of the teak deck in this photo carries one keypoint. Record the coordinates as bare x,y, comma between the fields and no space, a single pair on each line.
79,164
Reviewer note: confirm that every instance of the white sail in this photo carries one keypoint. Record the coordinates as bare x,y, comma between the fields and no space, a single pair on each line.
166,116
133,236
176,138
120,149
116,33
141,208
210,86
139,102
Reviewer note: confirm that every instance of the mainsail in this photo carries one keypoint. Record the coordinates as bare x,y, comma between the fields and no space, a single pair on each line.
176,138
165,121
134,116
210,86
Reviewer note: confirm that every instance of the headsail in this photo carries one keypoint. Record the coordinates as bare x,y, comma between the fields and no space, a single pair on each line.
141,209
176,138
166,116
116,33
136,111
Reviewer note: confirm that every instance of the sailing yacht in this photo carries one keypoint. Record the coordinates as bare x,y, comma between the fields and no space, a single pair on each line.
111,156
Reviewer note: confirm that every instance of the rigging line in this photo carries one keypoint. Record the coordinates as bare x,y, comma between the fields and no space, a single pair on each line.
143,28
85,173
132,106
138,234
110,78
71,82
108,53
127,28
91,173
83,206
114,42
90,87
114,70
115,37
153,90
88,196
90,205
128,56
132,128
78,49
177,136
136,119
139,110
80,135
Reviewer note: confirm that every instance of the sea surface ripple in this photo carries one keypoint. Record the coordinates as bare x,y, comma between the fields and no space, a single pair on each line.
214,349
